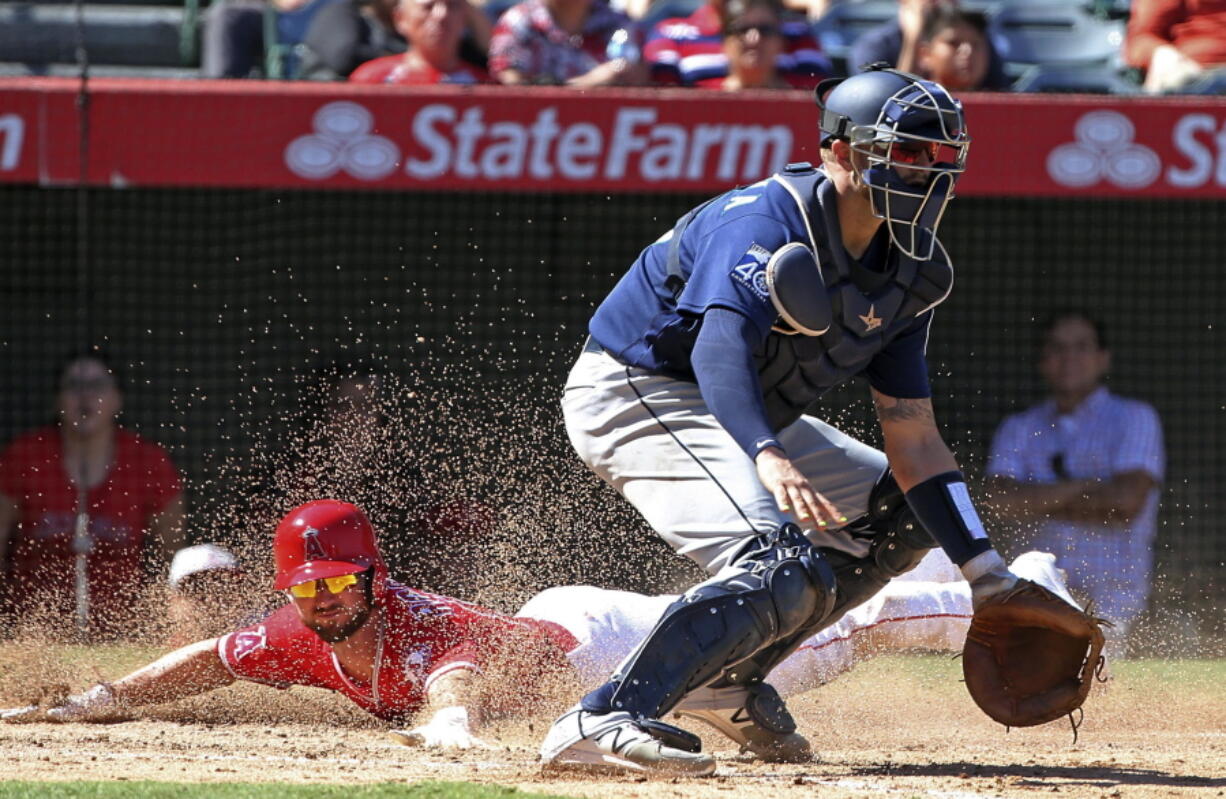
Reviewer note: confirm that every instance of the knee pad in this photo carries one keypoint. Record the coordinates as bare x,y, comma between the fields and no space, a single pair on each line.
899,540
783,584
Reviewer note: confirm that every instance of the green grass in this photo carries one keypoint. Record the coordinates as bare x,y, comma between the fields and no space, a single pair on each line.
231,790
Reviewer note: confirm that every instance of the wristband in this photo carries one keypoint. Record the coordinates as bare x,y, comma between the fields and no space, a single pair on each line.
763,443
944,507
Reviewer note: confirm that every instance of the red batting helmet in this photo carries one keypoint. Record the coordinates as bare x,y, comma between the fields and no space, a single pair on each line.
325,538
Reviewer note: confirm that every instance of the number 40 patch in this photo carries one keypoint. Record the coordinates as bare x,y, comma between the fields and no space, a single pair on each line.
750,271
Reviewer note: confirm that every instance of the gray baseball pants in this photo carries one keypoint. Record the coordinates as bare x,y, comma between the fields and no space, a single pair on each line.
654,440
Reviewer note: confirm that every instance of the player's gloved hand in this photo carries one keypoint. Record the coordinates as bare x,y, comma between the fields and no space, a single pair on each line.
95,704
988,576
448,729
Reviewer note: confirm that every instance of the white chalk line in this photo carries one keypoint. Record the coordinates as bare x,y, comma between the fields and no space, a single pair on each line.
161,757
202,757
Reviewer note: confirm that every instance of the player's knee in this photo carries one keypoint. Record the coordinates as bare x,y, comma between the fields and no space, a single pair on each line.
796,578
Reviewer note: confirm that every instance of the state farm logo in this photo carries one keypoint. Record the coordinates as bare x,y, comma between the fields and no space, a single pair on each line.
1104,150
460,142
342,141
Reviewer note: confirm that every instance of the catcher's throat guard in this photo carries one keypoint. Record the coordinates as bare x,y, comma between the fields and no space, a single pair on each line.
1030,657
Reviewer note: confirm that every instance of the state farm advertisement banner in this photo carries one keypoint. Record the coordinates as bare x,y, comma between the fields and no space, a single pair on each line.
297,135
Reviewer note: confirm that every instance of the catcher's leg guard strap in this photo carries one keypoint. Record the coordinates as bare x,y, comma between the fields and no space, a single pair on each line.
898,543
784,585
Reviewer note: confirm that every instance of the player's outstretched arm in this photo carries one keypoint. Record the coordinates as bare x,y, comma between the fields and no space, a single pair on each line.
936,491
454,710
192,670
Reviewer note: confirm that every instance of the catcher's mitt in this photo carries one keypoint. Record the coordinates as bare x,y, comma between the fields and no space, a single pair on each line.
1030,657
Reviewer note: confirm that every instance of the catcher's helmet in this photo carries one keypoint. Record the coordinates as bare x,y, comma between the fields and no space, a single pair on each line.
892,118
325,538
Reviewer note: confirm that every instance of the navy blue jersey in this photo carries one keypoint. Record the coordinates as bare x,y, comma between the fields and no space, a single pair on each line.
723,256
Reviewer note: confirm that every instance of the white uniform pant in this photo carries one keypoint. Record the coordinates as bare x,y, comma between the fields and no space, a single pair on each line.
908,614
654,440
905,615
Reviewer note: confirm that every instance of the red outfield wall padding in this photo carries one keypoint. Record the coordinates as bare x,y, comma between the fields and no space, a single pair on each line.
302,135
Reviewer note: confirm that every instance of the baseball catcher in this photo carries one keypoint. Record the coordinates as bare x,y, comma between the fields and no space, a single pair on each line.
693,397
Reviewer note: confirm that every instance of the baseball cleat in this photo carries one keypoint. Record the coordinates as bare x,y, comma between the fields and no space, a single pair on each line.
754,717
615,742
1040,567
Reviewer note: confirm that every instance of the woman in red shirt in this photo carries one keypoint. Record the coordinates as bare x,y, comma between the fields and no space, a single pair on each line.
133,502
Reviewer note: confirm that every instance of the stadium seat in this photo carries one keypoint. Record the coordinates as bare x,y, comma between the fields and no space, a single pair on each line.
1054,34
1073,80
496,8
843,23
668,9
284,32
126,35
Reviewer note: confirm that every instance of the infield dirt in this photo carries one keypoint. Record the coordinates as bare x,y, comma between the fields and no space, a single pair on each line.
894,727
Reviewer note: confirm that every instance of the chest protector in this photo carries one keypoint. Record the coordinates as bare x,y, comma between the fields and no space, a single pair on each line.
868,308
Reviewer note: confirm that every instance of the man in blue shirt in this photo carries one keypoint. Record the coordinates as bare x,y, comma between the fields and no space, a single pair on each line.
690,399
1084,468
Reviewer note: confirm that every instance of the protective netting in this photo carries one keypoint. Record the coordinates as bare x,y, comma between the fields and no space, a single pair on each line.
233,314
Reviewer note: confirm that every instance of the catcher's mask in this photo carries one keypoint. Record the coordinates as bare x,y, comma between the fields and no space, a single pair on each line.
896,120
325,539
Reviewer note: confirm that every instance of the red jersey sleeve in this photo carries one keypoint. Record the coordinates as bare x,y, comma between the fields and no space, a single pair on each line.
164,482
467,641
376,70
1149,26
481,638
277,651
12,464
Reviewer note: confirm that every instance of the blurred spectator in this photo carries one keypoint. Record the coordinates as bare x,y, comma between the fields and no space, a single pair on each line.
434,30
898,43
635,9
236,37
1085,465
207,587
954,49
1180,46
345,34
691,51
360,435
233,36
129,524
578,43
752,46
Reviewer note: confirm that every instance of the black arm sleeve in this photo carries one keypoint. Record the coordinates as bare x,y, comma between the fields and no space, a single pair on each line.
723,363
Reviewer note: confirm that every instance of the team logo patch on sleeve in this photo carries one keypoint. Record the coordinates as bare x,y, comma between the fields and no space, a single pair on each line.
751,271
247,642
